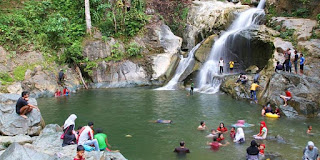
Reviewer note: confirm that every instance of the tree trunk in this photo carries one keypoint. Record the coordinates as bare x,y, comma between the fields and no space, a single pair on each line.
88,17
80,75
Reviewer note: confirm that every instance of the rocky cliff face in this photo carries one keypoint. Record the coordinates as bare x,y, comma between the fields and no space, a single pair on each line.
160,48
206,17
304,88
31,72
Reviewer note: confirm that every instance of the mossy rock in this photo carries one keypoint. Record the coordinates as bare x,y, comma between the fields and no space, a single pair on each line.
203,51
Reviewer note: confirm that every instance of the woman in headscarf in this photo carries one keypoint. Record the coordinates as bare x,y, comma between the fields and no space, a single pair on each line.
253,151
68,130
239,138
310,152
263,131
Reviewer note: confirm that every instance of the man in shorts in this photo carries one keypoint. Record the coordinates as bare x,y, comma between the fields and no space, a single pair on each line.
23,107
286,97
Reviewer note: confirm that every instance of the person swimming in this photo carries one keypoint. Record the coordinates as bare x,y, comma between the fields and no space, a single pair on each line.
162,121
233,132
309,130
202,126
212,134
222,128
242,123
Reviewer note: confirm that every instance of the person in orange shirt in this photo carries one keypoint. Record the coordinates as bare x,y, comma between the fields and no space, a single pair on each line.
286,97
253,91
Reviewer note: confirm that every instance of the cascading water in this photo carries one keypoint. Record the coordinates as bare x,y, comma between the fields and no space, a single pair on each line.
208,78
182,67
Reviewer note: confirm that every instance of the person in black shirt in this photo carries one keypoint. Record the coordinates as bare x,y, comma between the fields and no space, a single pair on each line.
61,76
295,61
279,67
23,107
181,149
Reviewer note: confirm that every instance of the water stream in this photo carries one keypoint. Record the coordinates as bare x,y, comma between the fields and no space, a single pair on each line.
206,81
184,64
129,110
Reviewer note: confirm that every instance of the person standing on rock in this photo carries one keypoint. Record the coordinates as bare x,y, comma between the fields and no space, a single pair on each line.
192,87
302,62
61,77
23,107
295,61
253,91
221,64
231,65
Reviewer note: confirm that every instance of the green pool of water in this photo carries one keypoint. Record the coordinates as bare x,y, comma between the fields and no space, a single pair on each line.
128,111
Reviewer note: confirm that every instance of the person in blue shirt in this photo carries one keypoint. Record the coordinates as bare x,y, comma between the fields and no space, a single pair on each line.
302,62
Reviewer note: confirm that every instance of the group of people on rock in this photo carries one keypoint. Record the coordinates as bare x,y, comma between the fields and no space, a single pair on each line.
221,65
65,92
289,60
84,137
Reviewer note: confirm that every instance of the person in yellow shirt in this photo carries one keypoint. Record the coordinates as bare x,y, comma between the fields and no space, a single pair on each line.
253,91
231,64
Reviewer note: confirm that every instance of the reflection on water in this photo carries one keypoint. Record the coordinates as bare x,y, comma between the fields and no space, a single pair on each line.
128,111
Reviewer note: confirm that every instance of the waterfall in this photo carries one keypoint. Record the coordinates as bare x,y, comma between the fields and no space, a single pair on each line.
184,64
207,83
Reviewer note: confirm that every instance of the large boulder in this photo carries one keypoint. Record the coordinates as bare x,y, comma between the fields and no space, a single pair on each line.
21,139
19,152
205,17
12,124
171,44
303,27
119,74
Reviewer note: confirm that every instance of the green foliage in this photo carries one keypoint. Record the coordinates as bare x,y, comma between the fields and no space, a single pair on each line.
116,52
89,66
5,78
19,73
287,35
304,1
134,50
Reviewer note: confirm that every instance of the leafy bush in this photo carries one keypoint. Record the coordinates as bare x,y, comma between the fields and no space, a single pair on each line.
19,73
116,52
134,50
5,78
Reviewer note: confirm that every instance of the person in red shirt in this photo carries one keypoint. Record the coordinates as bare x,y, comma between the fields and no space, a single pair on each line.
287,97
215,145
66,91
222,128
80,153
261,150
220,137
57,93
233,132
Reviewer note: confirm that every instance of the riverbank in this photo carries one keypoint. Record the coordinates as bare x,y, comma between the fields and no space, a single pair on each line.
31,139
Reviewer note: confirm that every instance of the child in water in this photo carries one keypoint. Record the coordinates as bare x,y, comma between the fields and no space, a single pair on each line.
80,153
261,150
309,130
212,134
233,132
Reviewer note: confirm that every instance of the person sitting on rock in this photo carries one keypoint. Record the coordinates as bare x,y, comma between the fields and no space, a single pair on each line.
202,126
287,97
242,78
80,153
182,149
102,140
69,132
23,107
279,67
85,137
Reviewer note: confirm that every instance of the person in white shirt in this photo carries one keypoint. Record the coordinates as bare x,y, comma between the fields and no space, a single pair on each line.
86,137
221,63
